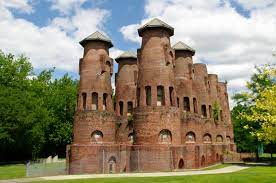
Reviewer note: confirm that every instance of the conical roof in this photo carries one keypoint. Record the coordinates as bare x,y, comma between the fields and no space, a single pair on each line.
96,36
182,46
127,54
156,23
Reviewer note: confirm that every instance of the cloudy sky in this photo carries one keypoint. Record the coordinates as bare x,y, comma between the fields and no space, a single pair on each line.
230,36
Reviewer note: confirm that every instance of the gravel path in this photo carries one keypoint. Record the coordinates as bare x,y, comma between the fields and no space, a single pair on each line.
229,169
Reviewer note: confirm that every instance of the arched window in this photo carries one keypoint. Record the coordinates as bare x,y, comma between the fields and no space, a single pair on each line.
228,139
131,137
112,164
186,103
84,101
97,137
148,95
190,137
160,96
207,138
94,101
165,136
171,95
203,110
129,107
210,111
219,139
121,105
195,105
105,101
177,102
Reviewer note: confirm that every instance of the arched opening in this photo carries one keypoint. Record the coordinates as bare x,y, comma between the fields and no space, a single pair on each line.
186,103
181,164
165,136
190,137
160,96
131,137
105,101
202,160
97,137
171,96
210,111
112,164
203,110
129,107
94,101
177,102
217,157
195,105
207,139
148,95
121,107
219,139
84,101
228,139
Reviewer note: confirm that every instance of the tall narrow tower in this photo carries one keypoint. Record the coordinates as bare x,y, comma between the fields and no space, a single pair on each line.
156,118
94,120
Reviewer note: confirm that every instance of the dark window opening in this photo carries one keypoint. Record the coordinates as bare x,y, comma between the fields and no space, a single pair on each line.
195,105
171,95
160,96
129,107
121,105
186,104
177,102
148,95
203,110
84,101
94,101
138,96
105,101
210,111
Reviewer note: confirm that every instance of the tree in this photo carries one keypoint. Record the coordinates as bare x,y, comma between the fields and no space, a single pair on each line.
256,115
36,112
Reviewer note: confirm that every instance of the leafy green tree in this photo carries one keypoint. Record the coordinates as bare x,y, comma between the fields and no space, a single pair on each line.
36,112
254,115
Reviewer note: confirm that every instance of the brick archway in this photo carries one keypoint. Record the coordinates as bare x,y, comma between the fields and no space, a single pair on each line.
181,164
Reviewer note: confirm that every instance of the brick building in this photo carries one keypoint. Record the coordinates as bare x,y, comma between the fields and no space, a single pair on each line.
168,113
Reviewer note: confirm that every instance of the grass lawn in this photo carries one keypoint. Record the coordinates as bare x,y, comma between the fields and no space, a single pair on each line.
12,171
217,166
251,175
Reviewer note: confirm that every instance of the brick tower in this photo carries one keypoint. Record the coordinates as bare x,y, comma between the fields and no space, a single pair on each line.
94,120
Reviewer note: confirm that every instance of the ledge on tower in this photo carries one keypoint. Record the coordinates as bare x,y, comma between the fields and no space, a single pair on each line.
97,36
156,23
183,47
126,55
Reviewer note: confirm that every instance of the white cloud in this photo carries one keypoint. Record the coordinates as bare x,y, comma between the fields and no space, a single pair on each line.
54,45
230,43
21,5
66,6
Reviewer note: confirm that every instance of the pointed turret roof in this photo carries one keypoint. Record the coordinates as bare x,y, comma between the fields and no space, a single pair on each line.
96,36
127,54
182,46
156,23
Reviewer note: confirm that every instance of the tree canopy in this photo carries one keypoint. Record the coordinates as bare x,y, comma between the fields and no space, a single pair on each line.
36,111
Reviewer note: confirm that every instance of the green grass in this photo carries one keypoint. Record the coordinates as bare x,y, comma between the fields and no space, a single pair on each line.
12,171
217,166
251,175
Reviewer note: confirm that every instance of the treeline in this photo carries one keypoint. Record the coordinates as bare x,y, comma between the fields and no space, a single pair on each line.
36,111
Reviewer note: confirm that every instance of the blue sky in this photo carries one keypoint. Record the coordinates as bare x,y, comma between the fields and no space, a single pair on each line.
230,36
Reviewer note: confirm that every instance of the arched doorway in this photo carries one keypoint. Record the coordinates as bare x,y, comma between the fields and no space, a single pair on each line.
181,164
112,164
217,157
203,161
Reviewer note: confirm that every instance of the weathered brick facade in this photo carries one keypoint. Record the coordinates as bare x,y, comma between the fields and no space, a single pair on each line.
168,113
